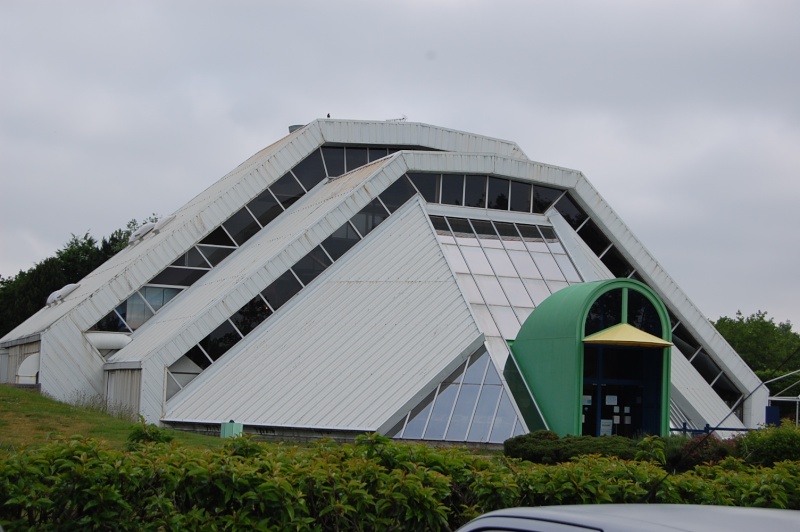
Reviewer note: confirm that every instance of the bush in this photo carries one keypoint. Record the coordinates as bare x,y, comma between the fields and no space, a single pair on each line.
770,445
545,447
147,433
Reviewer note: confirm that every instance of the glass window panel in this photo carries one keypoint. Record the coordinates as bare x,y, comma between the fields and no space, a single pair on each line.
492,377
484,229
470,289
281,290
543,197
616,263
452,189
241,226
573,214
705,366
500,262
218,237
604,312
537,289
376,153
112,322
642,314
507,231
522,313
178,276
214,254
287,190
484,413
520,196
684,341
455,377
506,320
334,160
523,263
193,259
593,237
485,320
397,194
519,430
476,368
220,340
251,315
309,267
475,191
547,265
369,217
310,170
476,260
427,185
498,193
157,296
567,268
340,241
418,418
515,290
555,286
440,415
491,290
454,258
265,207
463,233
440,225
533,238
462,413
503,421
355,158
199,358
727,391
394,432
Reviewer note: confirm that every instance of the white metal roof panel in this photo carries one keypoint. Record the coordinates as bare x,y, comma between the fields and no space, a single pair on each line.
382,323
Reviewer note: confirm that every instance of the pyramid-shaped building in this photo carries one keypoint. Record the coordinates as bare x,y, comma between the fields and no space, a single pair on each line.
396,277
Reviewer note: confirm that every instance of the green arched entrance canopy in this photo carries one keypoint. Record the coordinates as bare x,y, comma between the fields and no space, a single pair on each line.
596,359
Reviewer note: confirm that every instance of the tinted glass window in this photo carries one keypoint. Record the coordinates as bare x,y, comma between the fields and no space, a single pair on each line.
427,184
287,190
507,231
520,196
441,412
475,191
355,157
197,356
462,412
334,160
157,296
642,313
281,290
310,266
218,237
484,229
191,258
593,237
376,153
214,254
418,418
310,170
484,413
452,189
251,315
461,227
439,224
265,207
220,340
111,323
369,217
605,312
543,197
573,214
178,276
340,241
615,262
705,366
241,226
503,420
498,193
397,194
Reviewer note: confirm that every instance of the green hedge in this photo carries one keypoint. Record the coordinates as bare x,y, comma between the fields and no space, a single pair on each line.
545,447
374,484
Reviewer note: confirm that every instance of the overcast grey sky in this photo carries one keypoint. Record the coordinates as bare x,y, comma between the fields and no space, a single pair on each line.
684,115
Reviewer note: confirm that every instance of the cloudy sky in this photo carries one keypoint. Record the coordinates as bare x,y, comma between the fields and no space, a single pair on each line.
684,115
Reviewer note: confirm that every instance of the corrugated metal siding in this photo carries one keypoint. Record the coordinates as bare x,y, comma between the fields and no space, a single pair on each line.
16,354
381,324
72,366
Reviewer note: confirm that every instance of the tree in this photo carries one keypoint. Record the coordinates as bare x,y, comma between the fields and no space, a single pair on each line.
770,349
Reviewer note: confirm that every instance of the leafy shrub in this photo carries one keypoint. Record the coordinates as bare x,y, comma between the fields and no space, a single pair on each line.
770,445
545,447
700,449
147,433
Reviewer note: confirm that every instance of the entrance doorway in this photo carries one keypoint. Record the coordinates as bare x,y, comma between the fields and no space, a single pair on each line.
621,390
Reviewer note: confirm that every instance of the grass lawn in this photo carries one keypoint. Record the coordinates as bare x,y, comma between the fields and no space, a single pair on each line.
28,418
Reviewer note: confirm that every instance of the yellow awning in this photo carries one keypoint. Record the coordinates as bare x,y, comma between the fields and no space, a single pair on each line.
624,334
